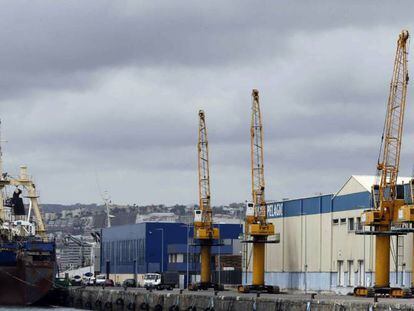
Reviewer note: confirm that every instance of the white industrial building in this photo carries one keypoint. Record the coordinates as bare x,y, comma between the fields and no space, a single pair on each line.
318,247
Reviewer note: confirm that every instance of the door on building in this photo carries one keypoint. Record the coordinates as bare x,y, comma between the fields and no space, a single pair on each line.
108,269
351,273
361,273
341,273
182,281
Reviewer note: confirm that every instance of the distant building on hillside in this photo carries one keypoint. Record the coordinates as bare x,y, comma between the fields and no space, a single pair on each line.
75,252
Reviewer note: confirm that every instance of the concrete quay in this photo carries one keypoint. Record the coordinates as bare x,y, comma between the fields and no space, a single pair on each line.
119,299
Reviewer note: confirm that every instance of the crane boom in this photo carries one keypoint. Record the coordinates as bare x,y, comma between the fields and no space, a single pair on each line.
389,163
204,171
257,166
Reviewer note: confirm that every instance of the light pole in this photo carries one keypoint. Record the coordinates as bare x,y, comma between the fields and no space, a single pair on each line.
162,248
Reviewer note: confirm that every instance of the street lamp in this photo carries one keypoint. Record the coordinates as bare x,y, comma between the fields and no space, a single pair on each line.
162,248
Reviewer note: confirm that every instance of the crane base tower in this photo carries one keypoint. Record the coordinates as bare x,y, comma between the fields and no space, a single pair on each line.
260,239
385,291
205,243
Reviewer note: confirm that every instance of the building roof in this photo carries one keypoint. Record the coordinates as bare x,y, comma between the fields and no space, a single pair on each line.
361,183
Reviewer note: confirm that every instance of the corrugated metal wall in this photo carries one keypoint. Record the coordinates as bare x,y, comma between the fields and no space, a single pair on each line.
139,248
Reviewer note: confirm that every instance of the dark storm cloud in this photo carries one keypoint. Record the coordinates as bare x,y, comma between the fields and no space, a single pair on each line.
114,88
49,44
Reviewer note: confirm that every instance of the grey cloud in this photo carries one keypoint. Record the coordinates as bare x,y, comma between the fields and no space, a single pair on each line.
55,41
115,87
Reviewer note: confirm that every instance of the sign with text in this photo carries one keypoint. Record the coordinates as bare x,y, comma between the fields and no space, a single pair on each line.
274,210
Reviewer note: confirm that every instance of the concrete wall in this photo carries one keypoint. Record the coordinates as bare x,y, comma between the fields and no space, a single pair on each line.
121,300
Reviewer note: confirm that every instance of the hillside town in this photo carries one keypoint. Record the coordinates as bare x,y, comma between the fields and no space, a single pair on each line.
74,227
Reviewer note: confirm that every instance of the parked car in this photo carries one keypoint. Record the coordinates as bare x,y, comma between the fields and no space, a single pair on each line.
100,279
129,283
76,280
109,283
91,281
88,279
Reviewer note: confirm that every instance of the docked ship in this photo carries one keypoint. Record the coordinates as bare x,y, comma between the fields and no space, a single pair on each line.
27,257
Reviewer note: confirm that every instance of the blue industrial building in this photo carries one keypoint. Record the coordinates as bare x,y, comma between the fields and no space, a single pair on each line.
155,247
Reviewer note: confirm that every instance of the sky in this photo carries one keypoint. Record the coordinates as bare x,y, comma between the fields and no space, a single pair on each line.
104,95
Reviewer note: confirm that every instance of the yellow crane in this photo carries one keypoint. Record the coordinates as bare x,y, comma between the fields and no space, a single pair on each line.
257,229
387,201
205,234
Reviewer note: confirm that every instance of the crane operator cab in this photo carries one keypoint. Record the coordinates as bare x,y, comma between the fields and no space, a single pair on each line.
249,209
198,215
250,213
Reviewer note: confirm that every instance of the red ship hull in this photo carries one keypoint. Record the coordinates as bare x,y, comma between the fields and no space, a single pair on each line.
25,283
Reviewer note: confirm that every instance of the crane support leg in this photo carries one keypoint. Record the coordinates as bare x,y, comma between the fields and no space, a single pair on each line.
258,283
258,264
382,273
382,261
205,264
205,273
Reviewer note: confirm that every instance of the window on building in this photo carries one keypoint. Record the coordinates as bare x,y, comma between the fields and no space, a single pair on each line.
358,225
361,273
351,273
341,273
351,224
180,258
226,241
343,221
335,221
